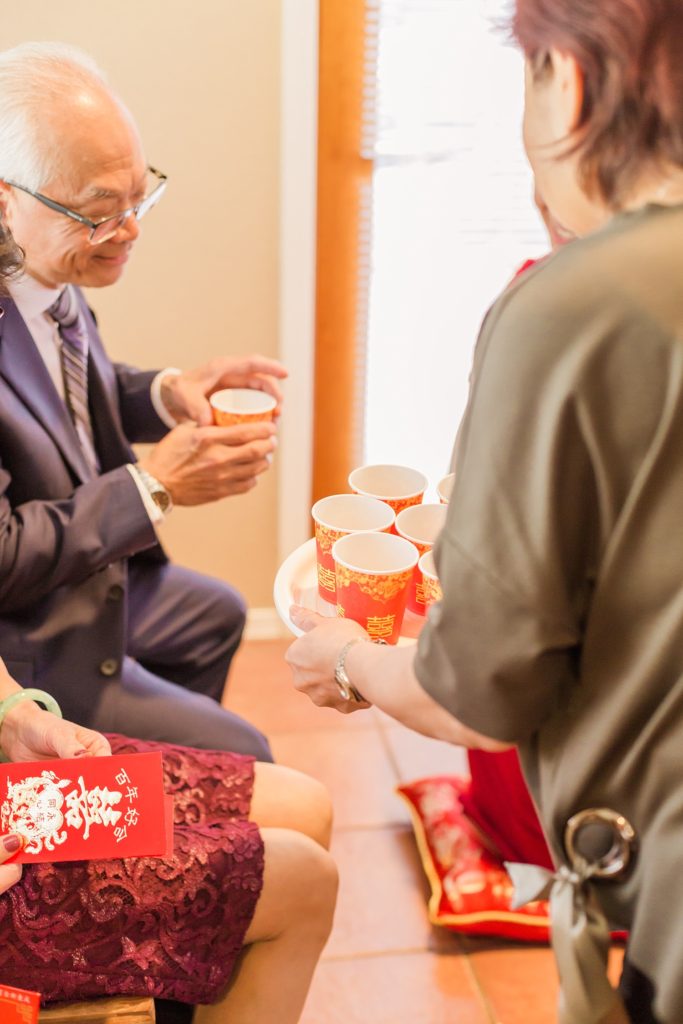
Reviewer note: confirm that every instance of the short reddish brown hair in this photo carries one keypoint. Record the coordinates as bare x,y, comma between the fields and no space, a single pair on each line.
631,55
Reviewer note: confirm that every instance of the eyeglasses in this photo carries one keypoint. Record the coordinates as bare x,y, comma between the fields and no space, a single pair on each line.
104,229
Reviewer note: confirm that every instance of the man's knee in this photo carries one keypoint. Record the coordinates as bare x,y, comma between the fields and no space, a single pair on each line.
228,609
148,707
226,731
259,747
223,621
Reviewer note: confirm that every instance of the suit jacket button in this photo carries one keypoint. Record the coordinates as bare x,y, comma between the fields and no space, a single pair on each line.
115,593
109,667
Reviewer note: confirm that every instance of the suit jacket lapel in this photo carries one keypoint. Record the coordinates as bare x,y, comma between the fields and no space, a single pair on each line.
24,370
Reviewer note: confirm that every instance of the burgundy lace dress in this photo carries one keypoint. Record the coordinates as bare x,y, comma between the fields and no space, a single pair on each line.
170,928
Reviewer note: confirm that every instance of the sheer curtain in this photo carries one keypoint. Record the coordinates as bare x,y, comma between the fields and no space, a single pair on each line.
451,213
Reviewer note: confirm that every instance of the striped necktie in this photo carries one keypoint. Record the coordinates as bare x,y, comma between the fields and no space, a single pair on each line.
74,334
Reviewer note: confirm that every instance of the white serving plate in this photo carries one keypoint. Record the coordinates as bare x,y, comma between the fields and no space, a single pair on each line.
297,583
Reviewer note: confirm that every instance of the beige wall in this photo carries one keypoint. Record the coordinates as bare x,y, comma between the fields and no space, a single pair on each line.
203,81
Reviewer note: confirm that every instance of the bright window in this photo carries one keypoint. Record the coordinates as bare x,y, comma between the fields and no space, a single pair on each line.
451,216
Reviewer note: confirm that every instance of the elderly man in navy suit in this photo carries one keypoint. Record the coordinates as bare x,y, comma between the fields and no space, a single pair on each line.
90,607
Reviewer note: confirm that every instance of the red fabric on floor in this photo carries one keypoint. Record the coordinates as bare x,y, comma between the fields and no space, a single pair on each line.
499,804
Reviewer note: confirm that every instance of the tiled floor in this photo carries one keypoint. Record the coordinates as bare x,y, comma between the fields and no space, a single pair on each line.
384,963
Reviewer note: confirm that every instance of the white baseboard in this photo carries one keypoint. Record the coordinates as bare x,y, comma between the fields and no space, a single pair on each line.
265,624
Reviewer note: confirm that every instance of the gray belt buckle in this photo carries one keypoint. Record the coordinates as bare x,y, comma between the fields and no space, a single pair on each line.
601,839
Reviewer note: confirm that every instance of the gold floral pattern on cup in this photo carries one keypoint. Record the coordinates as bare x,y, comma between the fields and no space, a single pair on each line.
430,580
241,405
432,590
399,504
379,588
421,525
399,486
326,537
373,574
336,516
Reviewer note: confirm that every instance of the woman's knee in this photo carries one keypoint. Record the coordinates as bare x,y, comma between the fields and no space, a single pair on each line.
300,884
286,798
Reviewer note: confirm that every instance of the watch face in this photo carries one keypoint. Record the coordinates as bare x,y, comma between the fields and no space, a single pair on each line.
161,500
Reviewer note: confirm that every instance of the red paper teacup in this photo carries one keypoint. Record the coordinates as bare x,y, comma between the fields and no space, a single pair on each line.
399,486
373,572
444,488
241,405
430,581
421,525
337,516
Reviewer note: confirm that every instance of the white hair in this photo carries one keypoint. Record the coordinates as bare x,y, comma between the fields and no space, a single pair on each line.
29,74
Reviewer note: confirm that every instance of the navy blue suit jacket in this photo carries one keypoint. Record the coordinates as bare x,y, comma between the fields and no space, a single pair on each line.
66,537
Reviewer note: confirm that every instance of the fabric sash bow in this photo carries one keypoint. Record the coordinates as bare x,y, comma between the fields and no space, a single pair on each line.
580,937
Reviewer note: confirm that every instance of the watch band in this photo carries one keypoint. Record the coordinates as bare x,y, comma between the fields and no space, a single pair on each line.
341,676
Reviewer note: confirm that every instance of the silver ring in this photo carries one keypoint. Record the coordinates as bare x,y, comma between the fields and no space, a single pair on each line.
615,861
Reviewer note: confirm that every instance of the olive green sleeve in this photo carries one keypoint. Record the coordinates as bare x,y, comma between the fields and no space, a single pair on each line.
515,558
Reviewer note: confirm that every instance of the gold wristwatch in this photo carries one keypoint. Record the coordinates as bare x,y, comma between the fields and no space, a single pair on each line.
156,490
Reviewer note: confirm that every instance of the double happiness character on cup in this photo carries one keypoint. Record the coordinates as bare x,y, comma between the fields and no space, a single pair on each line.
241,405
421,525
430,581
399,486
373,572
337,516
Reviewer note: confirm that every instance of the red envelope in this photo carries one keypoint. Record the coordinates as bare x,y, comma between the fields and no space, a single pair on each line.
18,1006
87,808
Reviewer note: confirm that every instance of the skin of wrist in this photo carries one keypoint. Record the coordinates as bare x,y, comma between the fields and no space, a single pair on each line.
21,712
167,389
385,677
358,664
149,467
171,394
7,684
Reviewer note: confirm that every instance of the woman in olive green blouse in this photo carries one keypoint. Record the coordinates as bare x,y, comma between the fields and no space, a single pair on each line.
561,560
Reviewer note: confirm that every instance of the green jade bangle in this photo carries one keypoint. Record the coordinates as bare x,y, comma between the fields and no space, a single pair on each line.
39,696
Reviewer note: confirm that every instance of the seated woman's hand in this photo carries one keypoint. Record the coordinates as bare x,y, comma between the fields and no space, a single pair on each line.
9,873
313,657
30,734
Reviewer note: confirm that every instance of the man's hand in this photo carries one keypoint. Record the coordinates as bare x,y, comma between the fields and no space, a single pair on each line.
186,395
313,657
197,465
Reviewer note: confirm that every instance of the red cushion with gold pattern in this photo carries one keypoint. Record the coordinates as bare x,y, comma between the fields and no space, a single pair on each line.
471,890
